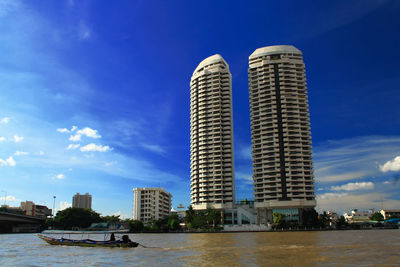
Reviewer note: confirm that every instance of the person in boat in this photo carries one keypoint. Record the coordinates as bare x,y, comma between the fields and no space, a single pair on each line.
112,237
126,239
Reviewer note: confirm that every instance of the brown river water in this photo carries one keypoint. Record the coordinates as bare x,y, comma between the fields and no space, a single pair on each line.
326,248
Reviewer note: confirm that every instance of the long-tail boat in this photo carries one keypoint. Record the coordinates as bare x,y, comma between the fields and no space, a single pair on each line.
124,242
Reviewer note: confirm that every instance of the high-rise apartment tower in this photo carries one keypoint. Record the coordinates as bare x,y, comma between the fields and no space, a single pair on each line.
82,201
280,130
211,135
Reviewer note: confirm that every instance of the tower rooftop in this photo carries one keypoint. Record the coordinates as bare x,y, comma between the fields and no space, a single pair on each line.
210,60
274,49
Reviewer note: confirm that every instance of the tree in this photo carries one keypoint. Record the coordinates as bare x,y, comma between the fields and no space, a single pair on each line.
76,217
377,217
278,218
212,217
173,222
309,218
341,223
323,219
135,226
111,219
190,213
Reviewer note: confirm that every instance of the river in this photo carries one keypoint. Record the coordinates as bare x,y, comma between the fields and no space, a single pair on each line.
326,248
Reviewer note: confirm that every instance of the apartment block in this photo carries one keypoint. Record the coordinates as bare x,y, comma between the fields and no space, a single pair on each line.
211,135
82,201
151,204
280,131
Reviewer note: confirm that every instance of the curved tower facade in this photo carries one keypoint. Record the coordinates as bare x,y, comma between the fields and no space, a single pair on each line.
280,130
211,135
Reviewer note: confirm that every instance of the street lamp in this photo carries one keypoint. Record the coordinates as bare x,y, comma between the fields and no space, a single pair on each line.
54,205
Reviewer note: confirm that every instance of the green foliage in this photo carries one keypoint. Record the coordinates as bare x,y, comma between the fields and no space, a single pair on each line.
173,222
207,219
199,220
76,217
323,219
377,217
278,218
309,218
111,219
190,214
341,223
135,226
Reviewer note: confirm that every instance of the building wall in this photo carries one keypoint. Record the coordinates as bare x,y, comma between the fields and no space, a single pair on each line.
211,135
82,201
151,204
280,129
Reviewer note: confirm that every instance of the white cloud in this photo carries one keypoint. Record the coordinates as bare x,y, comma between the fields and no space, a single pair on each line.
245,153
60,176
75,138
21,153
5,120
154,148
10,198
73,146
73,128
331,195
391,165
89,132
110,163
63,130
84,32
344,202
2,138
354,186
341,177
94,147
355,158
64,205
41,153
8,162
18,139
386,182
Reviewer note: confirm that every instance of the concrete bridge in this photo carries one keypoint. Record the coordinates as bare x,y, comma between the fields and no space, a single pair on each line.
15,223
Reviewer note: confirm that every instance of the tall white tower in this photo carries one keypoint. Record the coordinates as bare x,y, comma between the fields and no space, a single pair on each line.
211,135
280,132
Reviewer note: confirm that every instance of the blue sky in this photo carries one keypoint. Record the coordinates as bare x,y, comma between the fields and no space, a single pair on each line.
94,96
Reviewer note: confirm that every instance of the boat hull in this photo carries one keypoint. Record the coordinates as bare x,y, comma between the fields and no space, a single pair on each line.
87,242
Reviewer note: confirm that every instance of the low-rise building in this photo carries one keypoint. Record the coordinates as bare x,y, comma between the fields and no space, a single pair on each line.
31,209
387,214
358,216
151,204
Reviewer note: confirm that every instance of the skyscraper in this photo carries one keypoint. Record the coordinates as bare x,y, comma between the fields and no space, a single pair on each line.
82,201
211,134
280,131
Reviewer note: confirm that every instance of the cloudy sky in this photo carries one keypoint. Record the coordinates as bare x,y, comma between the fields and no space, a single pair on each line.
95,97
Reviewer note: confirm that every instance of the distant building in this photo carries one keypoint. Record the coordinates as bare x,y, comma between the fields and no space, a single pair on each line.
389,213
358,216
31,209
151,204
82,201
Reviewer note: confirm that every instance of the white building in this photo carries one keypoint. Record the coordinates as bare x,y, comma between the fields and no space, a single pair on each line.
388,213
211,135
280,131
151,204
